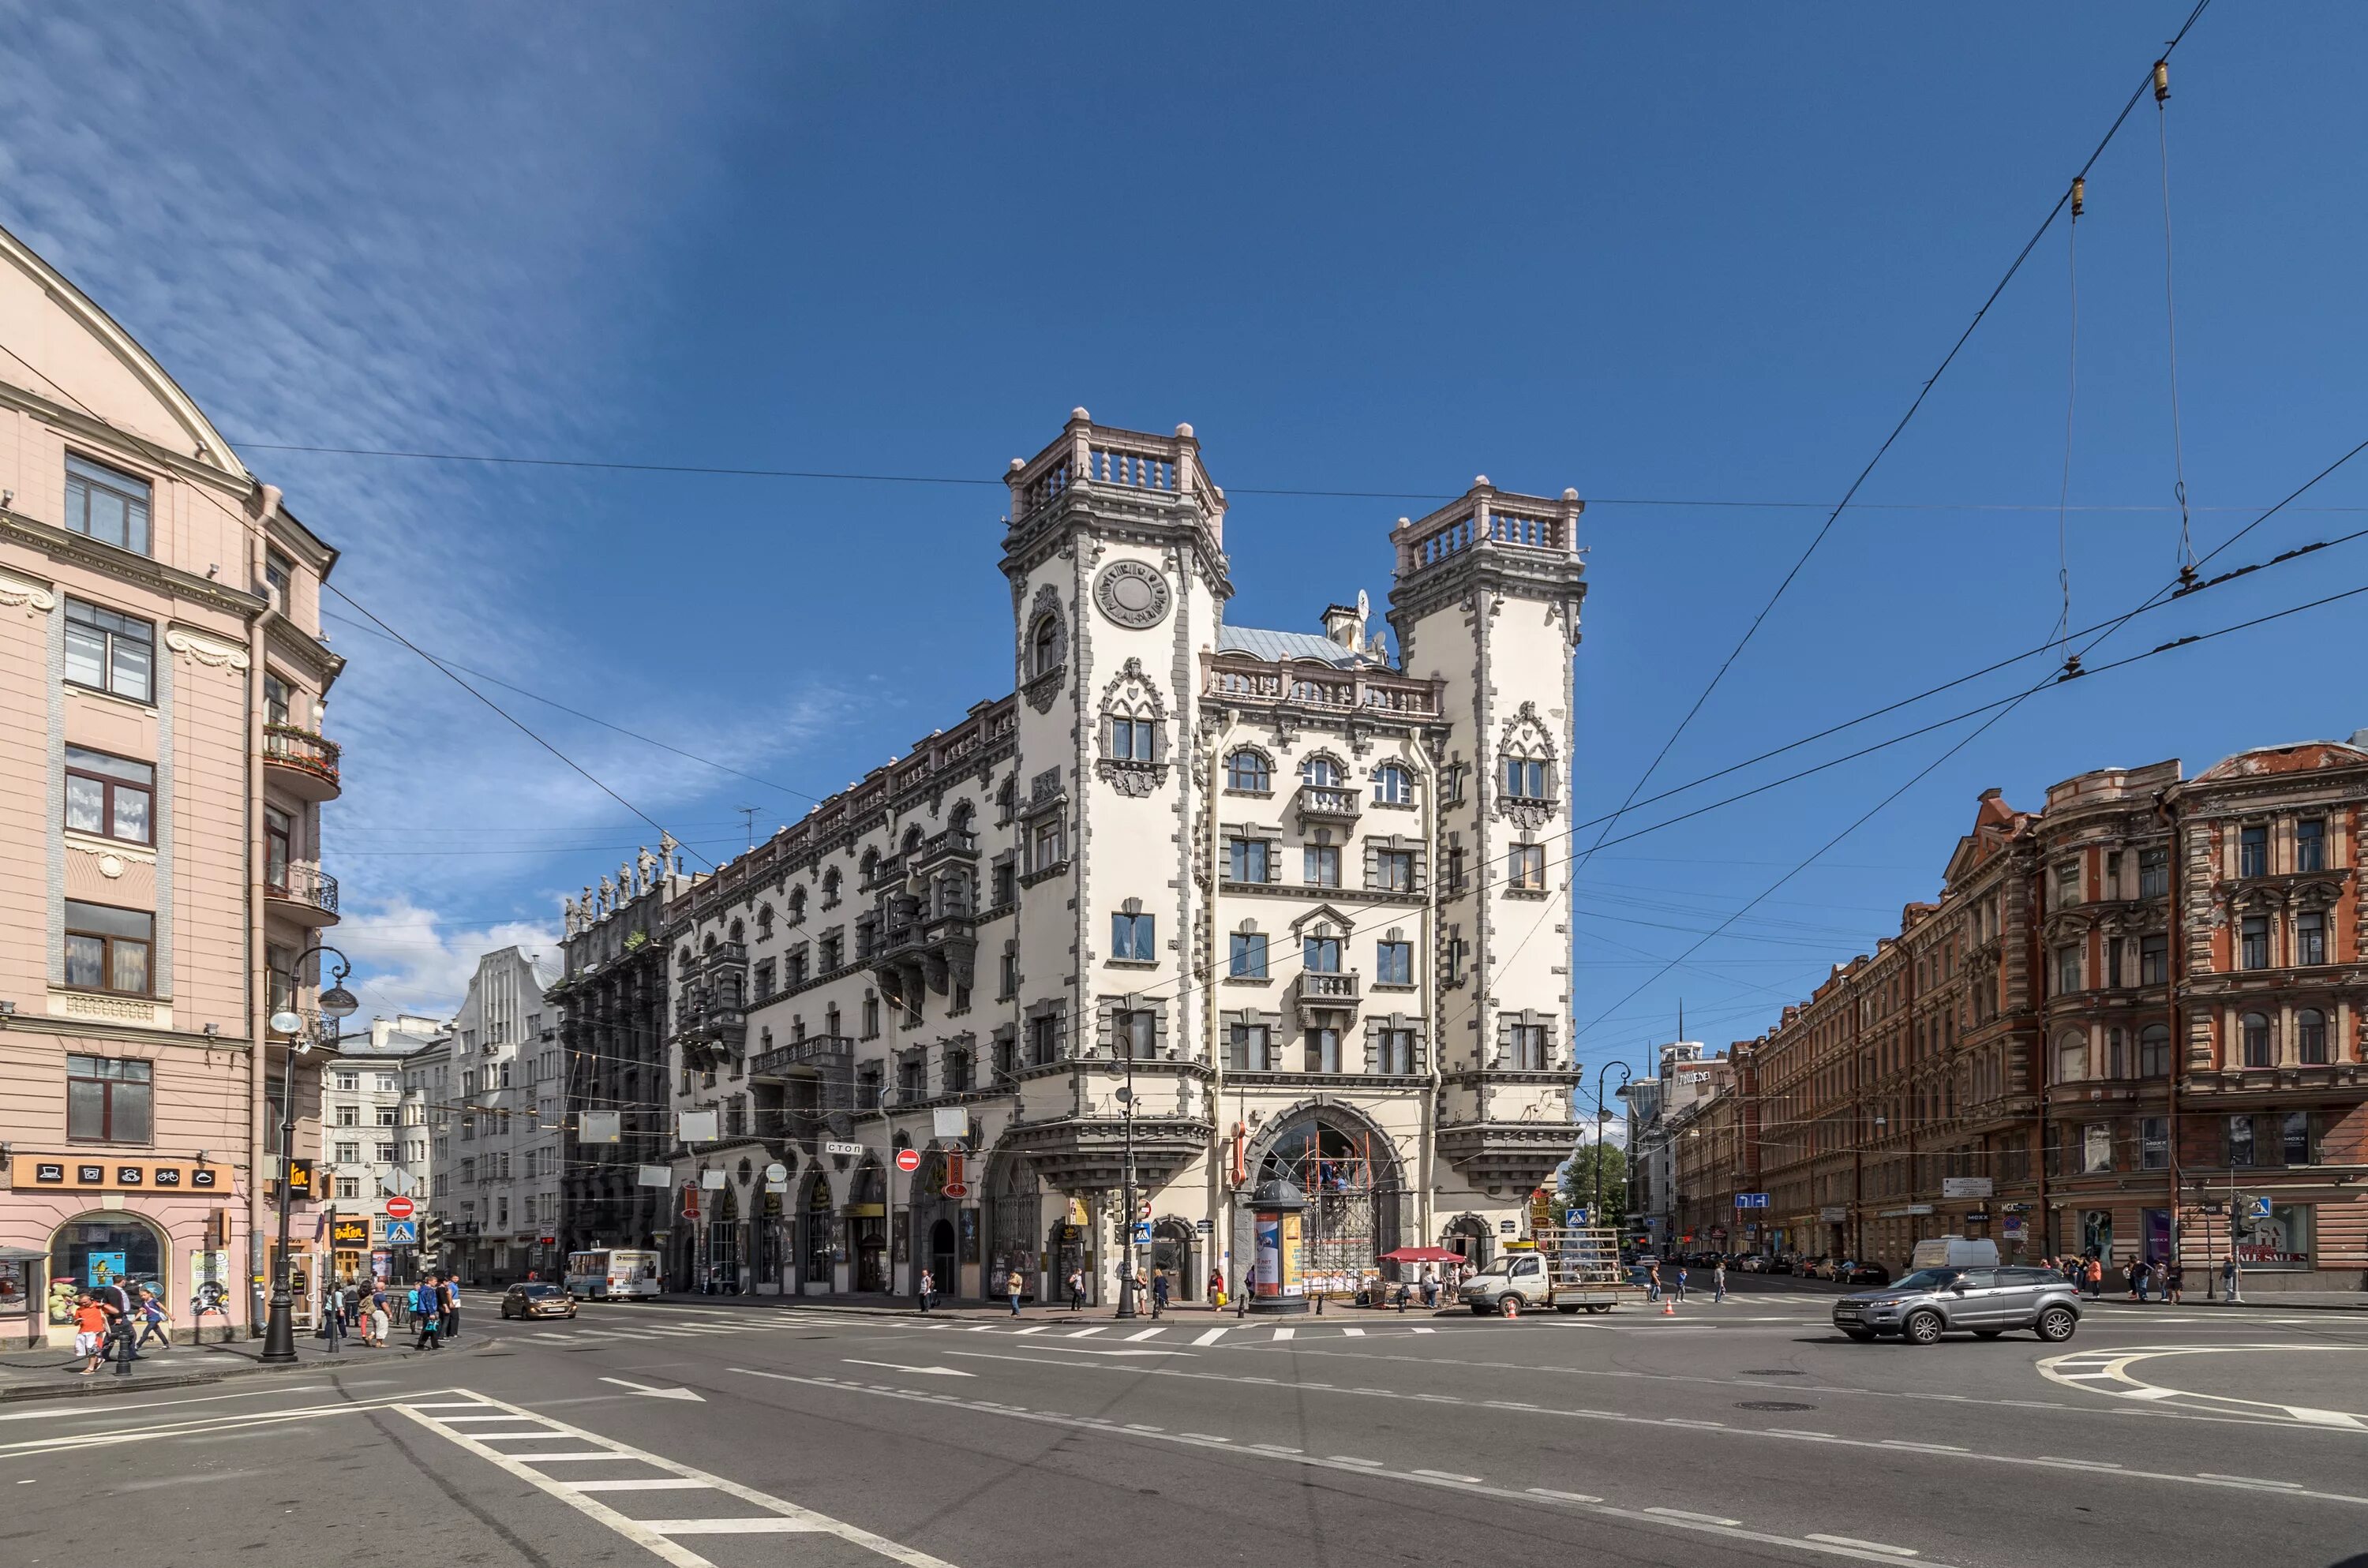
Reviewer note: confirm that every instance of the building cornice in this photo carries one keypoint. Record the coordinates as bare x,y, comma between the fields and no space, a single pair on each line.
59,544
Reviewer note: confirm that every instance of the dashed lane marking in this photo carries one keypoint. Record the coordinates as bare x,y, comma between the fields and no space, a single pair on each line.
1666,1519
659,1537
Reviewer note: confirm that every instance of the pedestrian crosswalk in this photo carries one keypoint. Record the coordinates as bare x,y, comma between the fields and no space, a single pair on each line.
623,1323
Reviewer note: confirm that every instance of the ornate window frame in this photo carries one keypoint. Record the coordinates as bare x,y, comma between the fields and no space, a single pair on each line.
1131,695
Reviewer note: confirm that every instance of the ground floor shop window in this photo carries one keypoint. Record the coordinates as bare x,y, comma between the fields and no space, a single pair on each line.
2280,1239
104,1250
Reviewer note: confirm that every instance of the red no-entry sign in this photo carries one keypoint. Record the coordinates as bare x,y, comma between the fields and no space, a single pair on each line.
908,1160
398,1208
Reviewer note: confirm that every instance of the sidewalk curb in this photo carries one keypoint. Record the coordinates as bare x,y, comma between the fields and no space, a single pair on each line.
106,1384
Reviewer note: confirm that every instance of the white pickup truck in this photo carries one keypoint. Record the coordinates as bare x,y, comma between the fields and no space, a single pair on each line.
1566,1268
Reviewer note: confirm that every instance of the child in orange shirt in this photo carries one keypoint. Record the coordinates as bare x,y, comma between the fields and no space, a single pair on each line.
90,1331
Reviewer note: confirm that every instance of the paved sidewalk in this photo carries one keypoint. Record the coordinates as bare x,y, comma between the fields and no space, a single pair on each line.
55,1372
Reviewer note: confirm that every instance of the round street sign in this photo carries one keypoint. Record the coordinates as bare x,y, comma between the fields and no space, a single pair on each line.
908,1160
398,1208
777,1172
957,1190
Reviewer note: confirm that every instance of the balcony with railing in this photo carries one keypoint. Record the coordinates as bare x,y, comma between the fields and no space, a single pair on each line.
304,894
1318,995
302,762
1329,803
1118,464
1485,518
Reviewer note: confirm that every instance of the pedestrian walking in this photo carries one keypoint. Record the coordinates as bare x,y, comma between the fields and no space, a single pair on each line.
1013,1284
427,1314
2174,1281
2096,1273
379,1325
2232,1278
1429,1286
1718,1280
1653,1282
1159,1293
1076,1291
1681,1282
154,1319
2134,1273
448,1300
923,1289
1216,1291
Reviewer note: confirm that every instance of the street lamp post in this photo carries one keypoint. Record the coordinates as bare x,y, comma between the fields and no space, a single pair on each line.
1127,1276
1620,1093
336,1003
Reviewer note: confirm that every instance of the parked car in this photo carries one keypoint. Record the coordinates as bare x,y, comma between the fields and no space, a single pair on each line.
1779,1266
1750,1263
1925,1304
1867,1274
537,1300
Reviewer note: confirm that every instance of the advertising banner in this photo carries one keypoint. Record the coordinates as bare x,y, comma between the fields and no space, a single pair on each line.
2282,1240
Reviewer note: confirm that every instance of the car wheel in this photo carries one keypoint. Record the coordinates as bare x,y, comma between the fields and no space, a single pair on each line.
1922,1328
1988,1333
1863,1335
1510,1306
2055,1326
1596,1308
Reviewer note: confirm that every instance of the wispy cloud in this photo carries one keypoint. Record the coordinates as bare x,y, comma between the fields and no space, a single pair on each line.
351,226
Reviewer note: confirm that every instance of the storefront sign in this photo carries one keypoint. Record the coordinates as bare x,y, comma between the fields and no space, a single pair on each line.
1965,1187
1912,1208
1834,1213
83,1175
349,1234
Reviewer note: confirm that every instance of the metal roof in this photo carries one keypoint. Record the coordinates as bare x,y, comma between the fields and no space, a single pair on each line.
1280,645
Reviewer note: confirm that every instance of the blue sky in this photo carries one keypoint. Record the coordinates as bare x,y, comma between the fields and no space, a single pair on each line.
1670,255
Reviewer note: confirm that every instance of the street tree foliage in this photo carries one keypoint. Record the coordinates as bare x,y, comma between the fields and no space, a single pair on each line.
1578,1179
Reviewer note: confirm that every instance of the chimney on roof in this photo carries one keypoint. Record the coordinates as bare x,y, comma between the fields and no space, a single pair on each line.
1345,624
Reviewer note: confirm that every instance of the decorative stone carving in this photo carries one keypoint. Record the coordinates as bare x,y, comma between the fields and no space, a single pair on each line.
200,649
1132,595
23,593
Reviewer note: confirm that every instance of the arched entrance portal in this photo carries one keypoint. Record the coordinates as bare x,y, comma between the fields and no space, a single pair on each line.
941,1257
866,1224
816,1276
1014,1200
1174,1251
1350,1177
1468,1234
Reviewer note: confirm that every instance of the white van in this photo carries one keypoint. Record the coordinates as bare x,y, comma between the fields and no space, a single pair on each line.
1953,1252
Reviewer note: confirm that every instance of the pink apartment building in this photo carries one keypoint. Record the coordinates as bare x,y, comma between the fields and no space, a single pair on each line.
161,775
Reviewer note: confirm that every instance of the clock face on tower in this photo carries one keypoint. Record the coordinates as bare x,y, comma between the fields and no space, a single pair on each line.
1132,595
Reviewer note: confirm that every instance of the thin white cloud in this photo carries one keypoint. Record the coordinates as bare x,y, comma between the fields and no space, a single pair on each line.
426,227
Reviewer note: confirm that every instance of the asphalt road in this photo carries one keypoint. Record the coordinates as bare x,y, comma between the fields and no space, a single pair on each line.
1743,1433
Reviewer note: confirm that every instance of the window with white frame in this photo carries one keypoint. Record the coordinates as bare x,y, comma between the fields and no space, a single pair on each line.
1392,785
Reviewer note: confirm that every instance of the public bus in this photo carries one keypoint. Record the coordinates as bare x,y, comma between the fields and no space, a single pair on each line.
613,1274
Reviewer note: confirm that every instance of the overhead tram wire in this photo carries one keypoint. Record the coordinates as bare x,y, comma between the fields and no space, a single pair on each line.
1685,502
249,524
1896,430
2071,399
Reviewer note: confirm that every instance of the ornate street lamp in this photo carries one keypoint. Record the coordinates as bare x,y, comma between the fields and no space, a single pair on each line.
1622,1094
337,1004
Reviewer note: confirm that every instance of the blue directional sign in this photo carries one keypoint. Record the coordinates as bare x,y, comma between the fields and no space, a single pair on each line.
1751,1200
401,1232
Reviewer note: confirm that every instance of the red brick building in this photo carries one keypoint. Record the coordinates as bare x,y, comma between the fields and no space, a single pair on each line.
2131,1017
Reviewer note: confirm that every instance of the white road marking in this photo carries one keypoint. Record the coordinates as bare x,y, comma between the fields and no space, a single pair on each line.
1688,1514
1425,1331
1353,1333
656,1392
899,1367
109,1407
1146,1334
1565,1497
1464,1480
657,1535
1282,1334
644,1483
1038,1329
1083,1333
2246,1480
1211,1336
1345,1458
1866,1545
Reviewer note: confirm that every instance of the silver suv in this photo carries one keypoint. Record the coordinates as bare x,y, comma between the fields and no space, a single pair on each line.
1922,1306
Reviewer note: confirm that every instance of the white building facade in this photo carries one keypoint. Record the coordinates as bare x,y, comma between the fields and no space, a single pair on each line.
497,1124
1198,905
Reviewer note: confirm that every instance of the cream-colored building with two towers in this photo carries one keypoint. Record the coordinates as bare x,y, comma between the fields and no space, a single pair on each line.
1306,901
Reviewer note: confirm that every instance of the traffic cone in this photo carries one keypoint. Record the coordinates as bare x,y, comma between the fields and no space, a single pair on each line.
1669,1307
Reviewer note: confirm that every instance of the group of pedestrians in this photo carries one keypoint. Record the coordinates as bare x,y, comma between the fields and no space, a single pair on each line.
111,1318
1673,1288
436,1311
2163,1279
